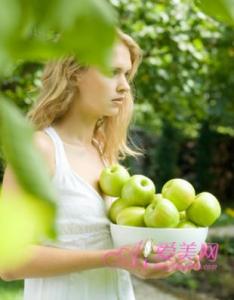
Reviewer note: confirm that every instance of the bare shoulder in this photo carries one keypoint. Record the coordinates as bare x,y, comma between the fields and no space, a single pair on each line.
43,141
46,147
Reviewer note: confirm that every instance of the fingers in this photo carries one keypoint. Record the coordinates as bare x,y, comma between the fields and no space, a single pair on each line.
161,270
189,264
165,269
167,266
155,256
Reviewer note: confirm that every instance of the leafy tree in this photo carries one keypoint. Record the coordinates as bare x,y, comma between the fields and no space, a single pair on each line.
187,71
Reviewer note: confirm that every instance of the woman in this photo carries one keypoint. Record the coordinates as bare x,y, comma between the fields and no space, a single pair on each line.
82,118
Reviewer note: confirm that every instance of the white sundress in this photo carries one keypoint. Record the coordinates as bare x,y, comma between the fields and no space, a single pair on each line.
82,223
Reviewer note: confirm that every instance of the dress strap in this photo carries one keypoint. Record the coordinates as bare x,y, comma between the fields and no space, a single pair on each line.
60,157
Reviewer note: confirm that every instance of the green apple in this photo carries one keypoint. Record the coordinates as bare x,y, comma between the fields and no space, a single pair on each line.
186,224
156,198
205,210
183,216
138,191
131,216
112,179
180,192
161,214
116,208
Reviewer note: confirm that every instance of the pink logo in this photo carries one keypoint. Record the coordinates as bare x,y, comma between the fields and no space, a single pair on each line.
187,250
164,251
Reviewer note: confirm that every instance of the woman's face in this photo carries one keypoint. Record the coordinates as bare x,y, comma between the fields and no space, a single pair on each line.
97,91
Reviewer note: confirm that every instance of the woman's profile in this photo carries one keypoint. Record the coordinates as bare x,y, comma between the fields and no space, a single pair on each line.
82,117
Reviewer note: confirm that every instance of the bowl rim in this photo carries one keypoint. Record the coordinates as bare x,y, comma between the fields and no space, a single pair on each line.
158,228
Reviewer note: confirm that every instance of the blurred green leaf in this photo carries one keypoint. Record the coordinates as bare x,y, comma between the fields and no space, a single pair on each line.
9,16
16,137
223,10
41,30
24,220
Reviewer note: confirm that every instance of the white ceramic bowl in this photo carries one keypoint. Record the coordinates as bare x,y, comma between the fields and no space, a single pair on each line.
127,235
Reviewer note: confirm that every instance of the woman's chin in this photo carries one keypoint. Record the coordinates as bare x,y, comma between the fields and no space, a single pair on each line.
113,112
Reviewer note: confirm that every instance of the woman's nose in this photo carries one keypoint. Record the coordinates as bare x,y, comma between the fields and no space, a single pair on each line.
123,85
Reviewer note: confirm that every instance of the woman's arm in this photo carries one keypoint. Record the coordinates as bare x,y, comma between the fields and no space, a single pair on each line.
49,261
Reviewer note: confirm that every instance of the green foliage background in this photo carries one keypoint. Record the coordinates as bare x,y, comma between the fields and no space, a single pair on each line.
183,91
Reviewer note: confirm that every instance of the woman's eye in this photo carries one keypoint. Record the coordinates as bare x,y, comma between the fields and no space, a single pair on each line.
115,72
127,75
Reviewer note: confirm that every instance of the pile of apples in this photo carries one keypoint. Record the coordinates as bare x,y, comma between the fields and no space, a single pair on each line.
138,204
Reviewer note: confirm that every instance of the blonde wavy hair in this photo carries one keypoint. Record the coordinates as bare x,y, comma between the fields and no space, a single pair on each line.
59,87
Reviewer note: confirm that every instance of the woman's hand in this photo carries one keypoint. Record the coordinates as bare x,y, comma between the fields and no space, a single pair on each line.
131,258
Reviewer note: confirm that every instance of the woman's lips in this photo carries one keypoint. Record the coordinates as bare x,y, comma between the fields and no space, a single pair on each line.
119,100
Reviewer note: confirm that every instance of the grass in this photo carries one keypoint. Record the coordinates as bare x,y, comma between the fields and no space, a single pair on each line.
11,290
11,295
